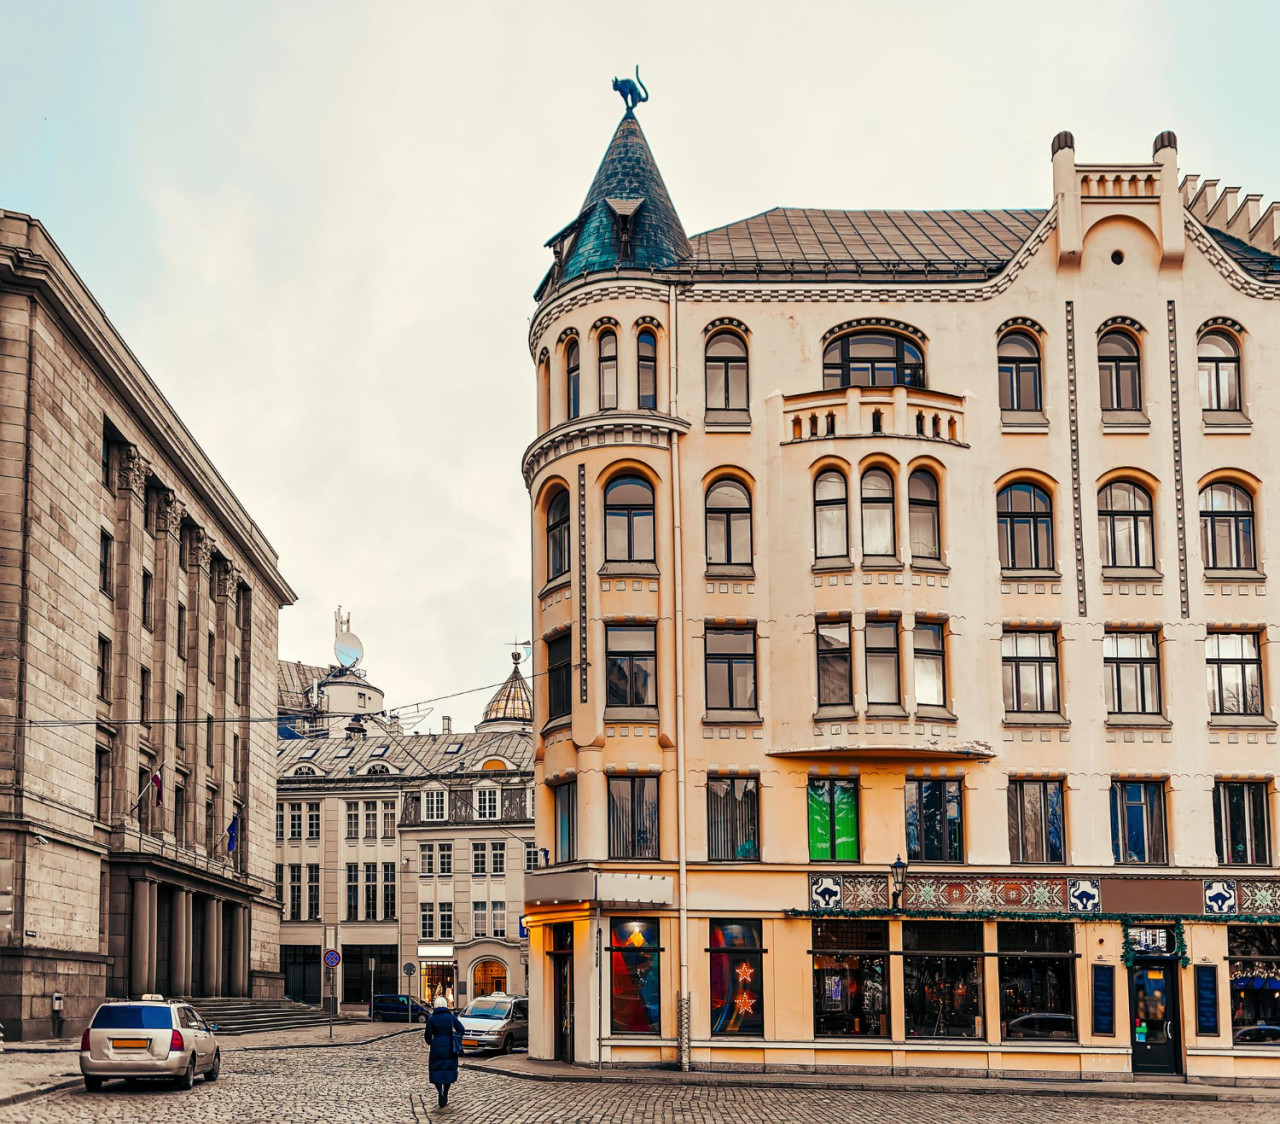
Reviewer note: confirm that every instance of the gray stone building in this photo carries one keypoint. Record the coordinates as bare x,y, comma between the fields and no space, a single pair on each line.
138,622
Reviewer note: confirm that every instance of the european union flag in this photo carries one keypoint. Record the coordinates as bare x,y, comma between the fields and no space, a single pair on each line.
233,829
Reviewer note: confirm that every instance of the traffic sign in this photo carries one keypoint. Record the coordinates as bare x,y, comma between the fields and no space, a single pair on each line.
332,957
409,969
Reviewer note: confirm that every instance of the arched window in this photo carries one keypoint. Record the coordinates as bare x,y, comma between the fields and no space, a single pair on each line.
1125,532
628,520
726,366
558,534
304,771
573,384
1019,362
728,524
831,515
1025,517
608,355
377,768
922,504
647,370
1226,527
872,359
878,537
1119,372
1219,372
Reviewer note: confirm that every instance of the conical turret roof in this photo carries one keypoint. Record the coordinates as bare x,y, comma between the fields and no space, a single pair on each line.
512,703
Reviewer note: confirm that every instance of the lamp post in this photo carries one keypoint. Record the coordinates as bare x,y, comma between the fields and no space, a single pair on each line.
899,872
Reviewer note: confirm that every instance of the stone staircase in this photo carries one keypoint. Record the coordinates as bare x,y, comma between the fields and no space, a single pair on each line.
252,1016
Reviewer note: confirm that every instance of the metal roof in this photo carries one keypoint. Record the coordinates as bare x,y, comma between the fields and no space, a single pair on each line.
417,755
512,702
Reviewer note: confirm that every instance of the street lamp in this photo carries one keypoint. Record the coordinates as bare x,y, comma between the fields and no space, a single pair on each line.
899,872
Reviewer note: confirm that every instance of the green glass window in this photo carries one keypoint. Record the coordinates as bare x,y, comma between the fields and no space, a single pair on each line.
833,819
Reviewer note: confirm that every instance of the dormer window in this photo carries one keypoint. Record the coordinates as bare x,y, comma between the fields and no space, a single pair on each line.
378,768
872,359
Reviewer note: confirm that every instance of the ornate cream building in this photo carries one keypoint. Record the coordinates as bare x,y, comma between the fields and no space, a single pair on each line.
940,536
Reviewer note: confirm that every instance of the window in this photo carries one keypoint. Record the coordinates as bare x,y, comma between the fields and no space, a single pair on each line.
479,919
942,973
647,371
295,891
295,821
353,819
872,359
733,819
486,804
833,819
105,557
922,516
388,819
559,685
1018,357
878,537
235,758
882,663
1025,521
835,663
731,668
208,741
930,665
353,892
608,367
1037,980
388,891
1240,823
212,657
180,714
1253,963
371,819
371,891
737,978
240,687
1119,372
1029,668
850,979
633,817
630,666
498,859
446,859
148,601
426,921
1125,533
566,814
102,783
1131,662
104,669
831,516
628,520
313,891
558,535
180,814
279,882
433,804
446,921
1137,822
279,823
1233,663
182,632
313,820
728,524
635,991
426,858
1036,822
107,444
1226,527
726,368
935,821
573,384
530,858
1219,362
479,858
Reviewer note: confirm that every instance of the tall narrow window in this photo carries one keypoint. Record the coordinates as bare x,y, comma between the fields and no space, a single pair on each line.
726,369
1029,667
1226,527
608,360
295,821
628,520
930,664
353,892
295,891
835,663
737,978
1036,821
647,371
1137,822
182,632
878,537
728,524
558,535
211,661
353,819
1219,362
572,379
426,921
559,677
371,891
148,601
1240,823
1025,520
630,666
831,515
1019,366
731,668
180,814
1132,672
1125,531
833,819
935,821
180,720
313,819
208,740
872,359
566,822
883,673
733,819
104,669
313,891
1119,372
922,502
102,783
446,921
635,1001
633,817
106,558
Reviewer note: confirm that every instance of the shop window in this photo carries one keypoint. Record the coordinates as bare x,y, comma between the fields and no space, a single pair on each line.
1137,822
737,978
833,819
733,819
633,817
851,979
935,821
942,972
1240,823
1037,981
490,977
1253,958
1035,822
636,980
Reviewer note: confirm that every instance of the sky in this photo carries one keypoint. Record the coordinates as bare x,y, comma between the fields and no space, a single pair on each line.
320,225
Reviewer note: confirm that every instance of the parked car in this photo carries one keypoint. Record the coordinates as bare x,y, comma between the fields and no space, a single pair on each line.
1262,1032
150,1037
496,1022
398,1009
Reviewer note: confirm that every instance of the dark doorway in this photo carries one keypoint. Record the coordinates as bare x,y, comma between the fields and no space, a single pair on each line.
1153,1016
562,1000
355,971
300,965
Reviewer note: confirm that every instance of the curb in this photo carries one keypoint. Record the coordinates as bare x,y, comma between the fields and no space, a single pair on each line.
30,1094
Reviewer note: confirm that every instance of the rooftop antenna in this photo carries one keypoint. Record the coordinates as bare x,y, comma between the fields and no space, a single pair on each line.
347,648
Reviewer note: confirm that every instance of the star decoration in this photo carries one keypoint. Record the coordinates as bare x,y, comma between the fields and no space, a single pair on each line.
745,972
746,1004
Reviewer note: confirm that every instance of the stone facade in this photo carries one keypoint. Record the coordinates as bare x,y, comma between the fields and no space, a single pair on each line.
118,530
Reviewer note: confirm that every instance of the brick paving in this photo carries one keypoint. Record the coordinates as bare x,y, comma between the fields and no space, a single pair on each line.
385,1081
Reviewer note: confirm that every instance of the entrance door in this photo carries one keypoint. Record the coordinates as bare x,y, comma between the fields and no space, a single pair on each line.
562,1000
1153,1011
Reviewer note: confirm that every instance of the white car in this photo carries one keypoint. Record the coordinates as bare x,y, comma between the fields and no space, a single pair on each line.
148,1037
495,1022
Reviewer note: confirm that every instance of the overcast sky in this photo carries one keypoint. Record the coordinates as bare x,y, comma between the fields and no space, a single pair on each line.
319,225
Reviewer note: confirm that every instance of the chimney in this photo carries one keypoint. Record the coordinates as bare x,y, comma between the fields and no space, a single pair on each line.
1173,235
446,725
1066,195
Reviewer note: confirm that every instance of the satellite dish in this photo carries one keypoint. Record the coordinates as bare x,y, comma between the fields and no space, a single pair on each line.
348,649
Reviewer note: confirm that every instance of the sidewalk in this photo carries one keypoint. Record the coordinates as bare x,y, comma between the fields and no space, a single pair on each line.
533,1070
30,1069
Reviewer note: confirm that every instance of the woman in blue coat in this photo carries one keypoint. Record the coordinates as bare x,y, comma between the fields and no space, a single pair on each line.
444,1036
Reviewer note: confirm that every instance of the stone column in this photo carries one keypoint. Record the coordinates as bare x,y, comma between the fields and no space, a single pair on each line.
139,966
180,944
239,951
212,946
153,925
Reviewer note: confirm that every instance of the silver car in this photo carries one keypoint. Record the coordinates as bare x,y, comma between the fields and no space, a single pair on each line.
495,1022
148,1037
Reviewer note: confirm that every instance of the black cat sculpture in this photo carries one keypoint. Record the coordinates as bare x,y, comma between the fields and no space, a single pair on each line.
632,93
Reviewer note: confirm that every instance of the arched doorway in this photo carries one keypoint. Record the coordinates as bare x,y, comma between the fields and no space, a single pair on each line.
488,976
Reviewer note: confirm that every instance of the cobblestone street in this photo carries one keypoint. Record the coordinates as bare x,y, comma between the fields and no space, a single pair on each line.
385,1081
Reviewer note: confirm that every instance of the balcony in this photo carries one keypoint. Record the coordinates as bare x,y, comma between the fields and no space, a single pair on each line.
873,411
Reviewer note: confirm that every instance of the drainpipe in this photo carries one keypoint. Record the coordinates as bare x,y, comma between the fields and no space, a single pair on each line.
682,1008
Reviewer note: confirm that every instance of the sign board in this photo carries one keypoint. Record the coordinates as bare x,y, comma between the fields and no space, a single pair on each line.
332,958
409,969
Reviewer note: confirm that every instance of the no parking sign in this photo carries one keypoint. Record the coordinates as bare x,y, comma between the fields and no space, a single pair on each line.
332,958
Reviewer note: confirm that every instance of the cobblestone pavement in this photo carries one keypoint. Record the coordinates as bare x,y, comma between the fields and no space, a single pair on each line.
386,1082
